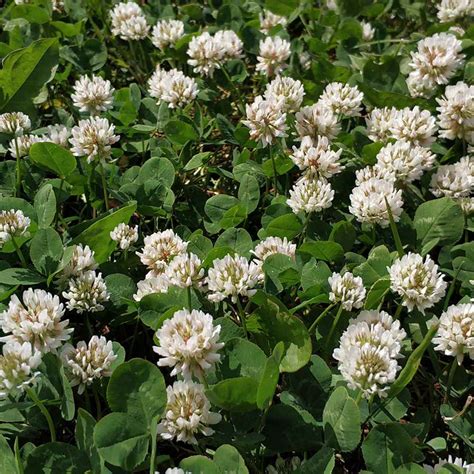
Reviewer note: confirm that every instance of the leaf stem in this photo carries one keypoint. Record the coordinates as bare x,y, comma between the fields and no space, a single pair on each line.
34,397
153,432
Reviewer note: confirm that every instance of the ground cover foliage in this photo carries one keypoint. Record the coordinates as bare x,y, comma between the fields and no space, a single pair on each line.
235,236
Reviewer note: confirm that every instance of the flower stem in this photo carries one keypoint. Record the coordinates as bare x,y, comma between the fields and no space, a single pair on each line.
188,291
275,182
312,328
104,187
241,105
242,317
358,397
19,253
393,227
333,327
32,394
398,311
18,167
452,372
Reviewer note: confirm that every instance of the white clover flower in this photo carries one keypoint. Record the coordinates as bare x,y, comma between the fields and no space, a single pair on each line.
418,282
316,157
368,368
231,277
150,285
128,21
310,194
13,223
273,52
14,123
380,123
286,89
160,248
466,468
92,94
342,99
370,172
166,33
456,112
434,63
205,54
174,470
269,20
172,87
415,126
185,271
272,246
266,120
17,368
88,361
347,290
187,414
93,138
368,31
368,201
124,235
189,342
368,352
455,181
406,162
58,5
317,120
230,44
37,320
377,328
455,336
451,10
58,134
23,142
82,260
86,293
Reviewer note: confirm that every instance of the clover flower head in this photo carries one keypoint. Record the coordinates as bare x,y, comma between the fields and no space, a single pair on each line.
417,281
187,414
189,342
88,361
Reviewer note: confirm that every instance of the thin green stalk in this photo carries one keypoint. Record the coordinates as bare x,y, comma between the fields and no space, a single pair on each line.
19,253
18,167
452,372
275,181
242,317
333,327
241,104
431,352
393,227
188,291
154,433
32,394
398,311
104,186
19,462
358,397
313,326
98,406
